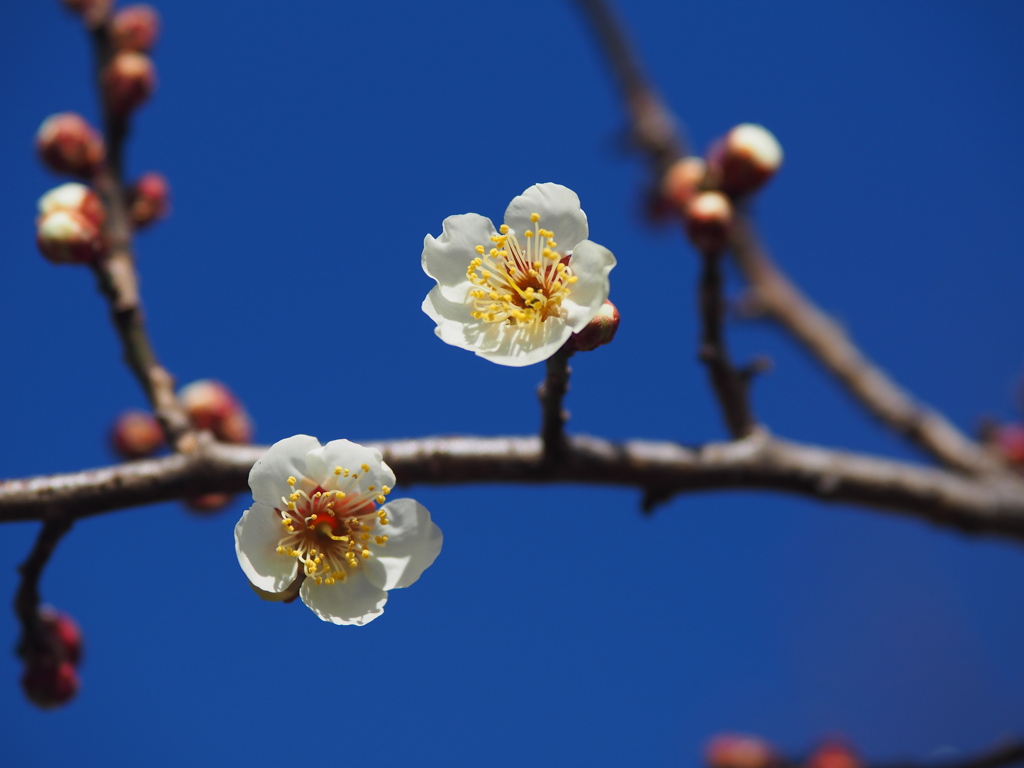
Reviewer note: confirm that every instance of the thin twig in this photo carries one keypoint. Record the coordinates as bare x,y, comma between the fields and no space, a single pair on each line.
26,600
116,275
997,757
994,506
729,383
551,394
777,297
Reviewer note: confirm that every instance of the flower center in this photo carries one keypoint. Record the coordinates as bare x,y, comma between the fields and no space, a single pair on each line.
330,529
516,285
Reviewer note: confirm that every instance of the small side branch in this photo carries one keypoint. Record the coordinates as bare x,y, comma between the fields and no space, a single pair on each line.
997,757
777,297
551,394
116,275
26,600
731,385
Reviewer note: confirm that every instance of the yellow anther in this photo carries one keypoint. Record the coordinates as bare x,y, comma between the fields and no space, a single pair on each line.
364,467
339,494
380,499
371,487
291,507
280,550
292,481
503,229
479,249
528,233
337,470
365,554
384,521
534,217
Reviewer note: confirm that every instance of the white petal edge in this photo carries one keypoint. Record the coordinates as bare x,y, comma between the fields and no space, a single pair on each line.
414,542
447,257
559,209
257,535
268,477
591,263
456,324
351,456
355,601
517,348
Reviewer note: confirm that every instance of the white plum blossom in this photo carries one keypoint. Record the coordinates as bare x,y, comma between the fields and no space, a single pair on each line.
515,295
320,515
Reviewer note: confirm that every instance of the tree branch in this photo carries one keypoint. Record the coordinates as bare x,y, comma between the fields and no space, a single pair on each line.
662,469
26,599
551,394
116,275
776,296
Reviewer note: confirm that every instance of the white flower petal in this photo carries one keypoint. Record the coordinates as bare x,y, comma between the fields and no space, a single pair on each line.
351,456
559,210
257,536
414,542
519,346
268,477
355,601
447,257
591,263
456,324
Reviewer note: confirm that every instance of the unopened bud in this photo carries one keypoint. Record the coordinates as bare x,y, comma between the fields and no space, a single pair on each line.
708,219
730,750
49,684
683,179
128,81
211,405
74,197
136,434
1009,440
600,330
746,158
148,199
208,502
67,237
68,144
93,12
64,632
135,28
833,754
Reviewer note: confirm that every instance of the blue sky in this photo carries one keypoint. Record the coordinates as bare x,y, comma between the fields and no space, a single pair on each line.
309,151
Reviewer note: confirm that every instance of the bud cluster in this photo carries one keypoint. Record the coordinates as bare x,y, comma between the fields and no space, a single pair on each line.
704,190
51,659
136,434
600,330
68,144
149,199
730,750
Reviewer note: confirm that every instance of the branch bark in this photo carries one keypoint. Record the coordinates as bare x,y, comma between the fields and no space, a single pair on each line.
994,506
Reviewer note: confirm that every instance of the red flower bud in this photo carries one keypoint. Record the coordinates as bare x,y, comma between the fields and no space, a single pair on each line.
149,199
1009,440
708,219
833,754
74,197
128,80
136,434
730,750
66,237
68,144
211,405
682,180
93,12
135,28
208,502
600,330
745,159
64,631
48,684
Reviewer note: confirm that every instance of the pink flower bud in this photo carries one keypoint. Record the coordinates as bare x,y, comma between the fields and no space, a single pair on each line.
600,330
682,180
149,199
745,159
68,144
66,237
833,754
64,631
128,80
208,502
1009,440
135,28
48,684
708,218
74,197
730,750
136,434
93,12
211,405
